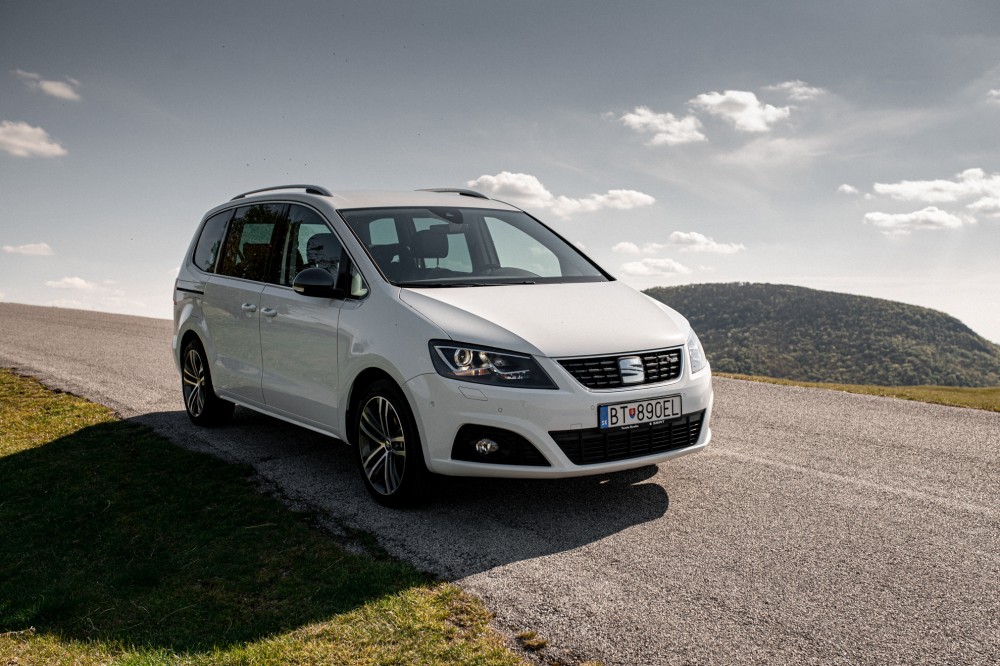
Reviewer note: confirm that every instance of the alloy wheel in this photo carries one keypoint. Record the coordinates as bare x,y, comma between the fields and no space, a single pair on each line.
383,445
194,383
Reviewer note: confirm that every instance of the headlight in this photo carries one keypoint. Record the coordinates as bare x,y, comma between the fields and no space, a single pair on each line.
482,365
696,353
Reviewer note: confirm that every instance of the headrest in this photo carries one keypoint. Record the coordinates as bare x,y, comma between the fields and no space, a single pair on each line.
431,243
384,254
322,247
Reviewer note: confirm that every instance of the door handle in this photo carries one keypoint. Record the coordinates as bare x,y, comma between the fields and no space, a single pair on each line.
249,307
269,312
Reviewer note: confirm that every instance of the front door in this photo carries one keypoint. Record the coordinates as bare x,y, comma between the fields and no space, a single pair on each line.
298,334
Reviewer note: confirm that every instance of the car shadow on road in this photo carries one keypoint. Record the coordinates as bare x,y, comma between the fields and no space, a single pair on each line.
468,525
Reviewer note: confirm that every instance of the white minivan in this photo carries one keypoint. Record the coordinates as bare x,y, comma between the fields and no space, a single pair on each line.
437,332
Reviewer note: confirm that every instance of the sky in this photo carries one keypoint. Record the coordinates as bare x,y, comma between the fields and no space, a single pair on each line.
843,146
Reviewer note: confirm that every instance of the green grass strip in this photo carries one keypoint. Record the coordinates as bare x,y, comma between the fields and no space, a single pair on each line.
973,398
119,547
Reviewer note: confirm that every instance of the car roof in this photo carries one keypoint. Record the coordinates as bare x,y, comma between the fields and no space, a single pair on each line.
350,199
373,199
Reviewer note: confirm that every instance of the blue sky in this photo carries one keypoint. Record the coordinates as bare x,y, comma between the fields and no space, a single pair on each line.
846,146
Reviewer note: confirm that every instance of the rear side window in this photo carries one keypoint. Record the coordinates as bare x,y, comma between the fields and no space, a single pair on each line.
207,251
247,252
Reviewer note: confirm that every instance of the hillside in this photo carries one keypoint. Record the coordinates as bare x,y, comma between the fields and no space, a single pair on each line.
808,335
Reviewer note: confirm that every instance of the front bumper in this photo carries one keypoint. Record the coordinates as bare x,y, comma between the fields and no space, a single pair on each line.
442,406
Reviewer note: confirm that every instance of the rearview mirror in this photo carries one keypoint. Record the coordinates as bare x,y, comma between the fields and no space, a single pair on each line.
317,282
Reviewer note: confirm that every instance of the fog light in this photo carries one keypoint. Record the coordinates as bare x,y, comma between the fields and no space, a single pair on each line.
485,447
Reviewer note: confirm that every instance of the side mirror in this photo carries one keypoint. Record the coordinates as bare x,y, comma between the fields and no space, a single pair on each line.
317,282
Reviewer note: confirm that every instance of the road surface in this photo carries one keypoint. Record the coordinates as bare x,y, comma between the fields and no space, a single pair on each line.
819,527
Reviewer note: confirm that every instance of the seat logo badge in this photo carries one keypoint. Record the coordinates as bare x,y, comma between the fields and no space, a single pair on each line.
631,370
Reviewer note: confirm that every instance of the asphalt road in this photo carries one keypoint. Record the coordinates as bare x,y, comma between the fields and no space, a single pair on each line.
819,527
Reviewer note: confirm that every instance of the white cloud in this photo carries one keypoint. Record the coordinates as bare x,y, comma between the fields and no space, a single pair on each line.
529,192
847,189
901,224
989,206
979,189
625,247
70,303
969,183
798,91
768,152
71,283
654,268
61,89
687,241
23,140
667,128
742,109
33,249
87,295
993,96
692,241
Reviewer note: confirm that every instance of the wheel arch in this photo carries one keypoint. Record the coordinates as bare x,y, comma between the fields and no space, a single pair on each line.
191,334
365,378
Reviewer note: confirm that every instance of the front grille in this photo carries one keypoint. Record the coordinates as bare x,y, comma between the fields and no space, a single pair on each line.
601,372
592,446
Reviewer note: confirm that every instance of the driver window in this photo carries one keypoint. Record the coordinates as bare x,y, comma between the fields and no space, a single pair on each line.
309,243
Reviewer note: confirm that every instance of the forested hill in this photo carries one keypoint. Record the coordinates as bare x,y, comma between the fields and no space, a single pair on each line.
820,336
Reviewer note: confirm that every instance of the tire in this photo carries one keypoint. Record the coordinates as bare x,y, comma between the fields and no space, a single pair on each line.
388,448
203,407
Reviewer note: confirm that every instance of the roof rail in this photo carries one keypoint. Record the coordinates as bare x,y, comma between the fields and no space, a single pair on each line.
455,190
310,189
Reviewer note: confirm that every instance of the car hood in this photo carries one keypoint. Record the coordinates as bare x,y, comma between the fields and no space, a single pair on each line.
578,319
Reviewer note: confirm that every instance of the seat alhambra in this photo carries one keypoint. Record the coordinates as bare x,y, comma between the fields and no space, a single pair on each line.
436,332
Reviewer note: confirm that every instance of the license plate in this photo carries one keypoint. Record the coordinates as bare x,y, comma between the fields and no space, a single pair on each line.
641,412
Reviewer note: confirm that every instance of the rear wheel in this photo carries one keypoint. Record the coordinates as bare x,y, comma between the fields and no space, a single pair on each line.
388,447
203,407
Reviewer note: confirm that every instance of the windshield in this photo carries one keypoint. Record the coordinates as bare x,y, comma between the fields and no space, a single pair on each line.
463,247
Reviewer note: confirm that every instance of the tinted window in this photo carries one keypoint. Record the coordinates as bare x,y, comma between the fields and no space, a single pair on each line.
207,250
309,243
247,253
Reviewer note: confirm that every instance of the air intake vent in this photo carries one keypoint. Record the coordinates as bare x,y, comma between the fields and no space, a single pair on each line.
592,446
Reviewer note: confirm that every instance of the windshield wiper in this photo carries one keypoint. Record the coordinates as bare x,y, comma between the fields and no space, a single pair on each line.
436,285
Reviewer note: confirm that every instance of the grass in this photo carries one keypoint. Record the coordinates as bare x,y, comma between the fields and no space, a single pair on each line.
119,547
973,398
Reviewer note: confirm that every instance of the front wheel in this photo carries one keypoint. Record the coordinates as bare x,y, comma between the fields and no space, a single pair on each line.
388,446
203,407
